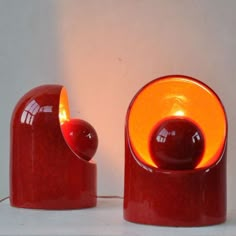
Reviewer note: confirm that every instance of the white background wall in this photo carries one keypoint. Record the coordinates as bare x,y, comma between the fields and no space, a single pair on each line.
103,51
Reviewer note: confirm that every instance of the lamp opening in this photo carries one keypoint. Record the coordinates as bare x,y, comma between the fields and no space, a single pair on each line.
178,97
64,113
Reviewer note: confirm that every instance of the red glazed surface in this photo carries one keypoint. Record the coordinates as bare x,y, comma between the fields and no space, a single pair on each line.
170,142
44,172
163,194
174,198
81,137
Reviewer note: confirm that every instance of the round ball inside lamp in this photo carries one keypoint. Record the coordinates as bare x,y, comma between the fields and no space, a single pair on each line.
81,137
177,144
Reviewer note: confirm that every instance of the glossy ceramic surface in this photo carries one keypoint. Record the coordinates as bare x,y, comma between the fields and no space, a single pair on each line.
44,172
177,144
157,194
81,137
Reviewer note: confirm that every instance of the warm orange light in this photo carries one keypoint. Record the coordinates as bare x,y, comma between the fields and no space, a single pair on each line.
179,113
64,113
173,97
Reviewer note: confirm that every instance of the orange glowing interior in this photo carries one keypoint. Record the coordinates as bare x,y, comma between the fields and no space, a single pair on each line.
177,96
64,113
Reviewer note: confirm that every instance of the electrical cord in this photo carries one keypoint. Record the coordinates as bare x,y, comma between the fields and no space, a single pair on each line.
110,197
102,196
3,199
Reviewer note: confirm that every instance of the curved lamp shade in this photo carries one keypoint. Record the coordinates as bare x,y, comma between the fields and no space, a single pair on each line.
45,171
175,146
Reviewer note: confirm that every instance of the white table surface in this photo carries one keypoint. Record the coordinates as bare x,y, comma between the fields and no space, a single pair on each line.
105,219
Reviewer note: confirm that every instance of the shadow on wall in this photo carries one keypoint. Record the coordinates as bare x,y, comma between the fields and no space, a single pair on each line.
29,56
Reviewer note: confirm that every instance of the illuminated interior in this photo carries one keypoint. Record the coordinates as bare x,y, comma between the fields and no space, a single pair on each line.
176,96
64,113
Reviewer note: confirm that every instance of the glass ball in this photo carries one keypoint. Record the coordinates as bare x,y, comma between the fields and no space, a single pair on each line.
177,144
81,137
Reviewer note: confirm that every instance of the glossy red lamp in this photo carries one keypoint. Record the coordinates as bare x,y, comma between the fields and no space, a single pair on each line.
50,154
175,154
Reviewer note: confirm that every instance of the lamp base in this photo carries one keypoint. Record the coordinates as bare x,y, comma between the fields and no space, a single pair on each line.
175,198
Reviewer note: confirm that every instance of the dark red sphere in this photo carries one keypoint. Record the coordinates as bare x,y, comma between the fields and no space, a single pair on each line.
81,137
177,144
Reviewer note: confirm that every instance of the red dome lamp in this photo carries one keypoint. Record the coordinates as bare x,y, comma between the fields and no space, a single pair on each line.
175,154
50,154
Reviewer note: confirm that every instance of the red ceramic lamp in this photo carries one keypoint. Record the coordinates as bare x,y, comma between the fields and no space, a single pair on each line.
50,156
175,154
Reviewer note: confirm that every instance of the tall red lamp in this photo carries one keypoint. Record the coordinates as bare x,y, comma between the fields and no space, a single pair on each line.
175,154
50,154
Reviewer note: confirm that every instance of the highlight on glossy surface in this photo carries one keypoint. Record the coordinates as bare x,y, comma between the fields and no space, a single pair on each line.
178,97
44,172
